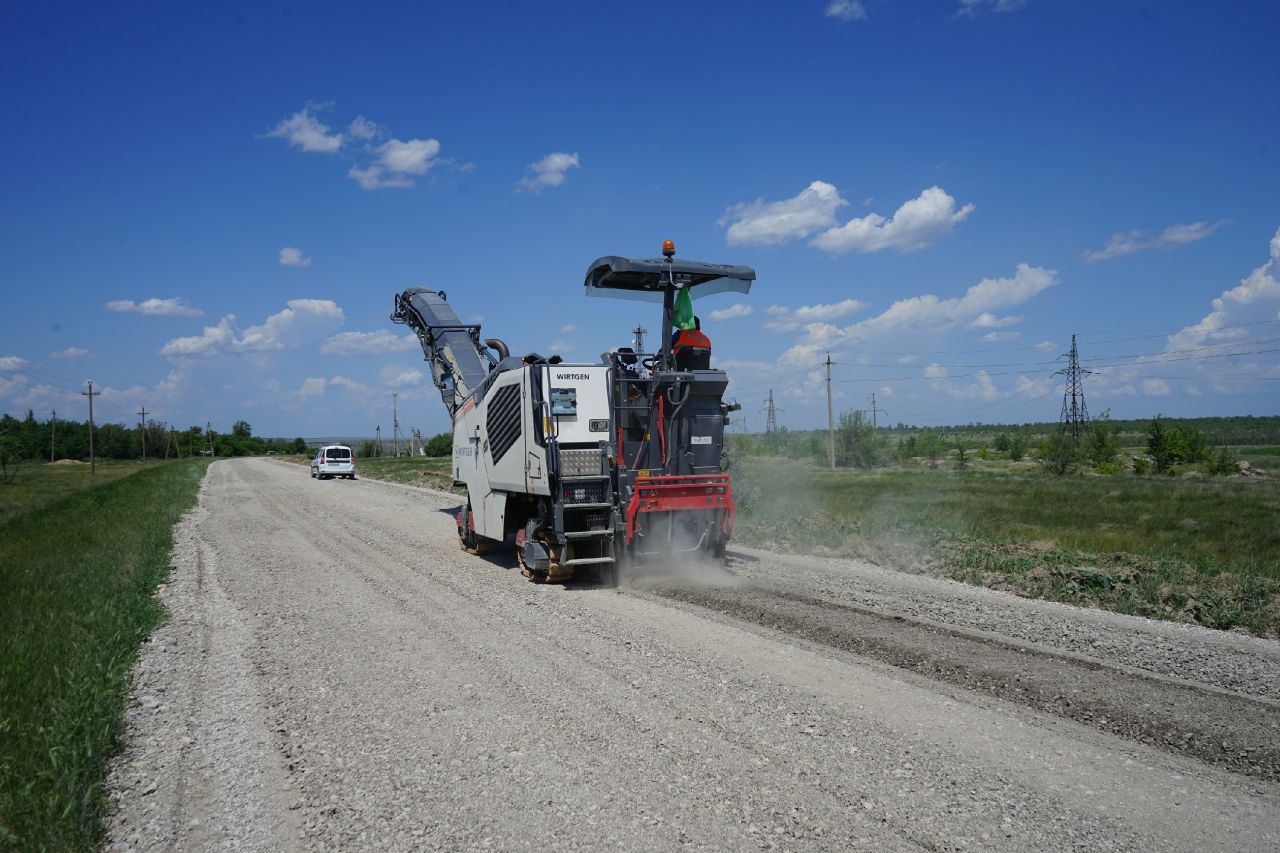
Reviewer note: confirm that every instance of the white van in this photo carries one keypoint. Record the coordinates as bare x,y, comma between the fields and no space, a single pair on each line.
335,460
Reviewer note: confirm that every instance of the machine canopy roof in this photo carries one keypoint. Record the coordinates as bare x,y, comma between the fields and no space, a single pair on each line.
645,278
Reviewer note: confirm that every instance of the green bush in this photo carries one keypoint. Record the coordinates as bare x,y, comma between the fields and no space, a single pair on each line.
1103,442
857,443
1110,469
1222,461
1017,448
1059,454
1141,466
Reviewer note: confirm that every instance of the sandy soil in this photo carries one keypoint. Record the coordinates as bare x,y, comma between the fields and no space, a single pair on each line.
338,675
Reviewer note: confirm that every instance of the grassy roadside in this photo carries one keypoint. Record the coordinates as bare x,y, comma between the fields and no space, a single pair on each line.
78,577
38,484
1185,549
430,471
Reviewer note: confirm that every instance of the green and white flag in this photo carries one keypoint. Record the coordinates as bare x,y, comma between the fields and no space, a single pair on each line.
682,315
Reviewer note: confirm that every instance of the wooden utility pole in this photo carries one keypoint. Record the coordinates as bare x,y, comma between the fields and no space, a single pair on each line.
93,462
53,435
142,425
831,419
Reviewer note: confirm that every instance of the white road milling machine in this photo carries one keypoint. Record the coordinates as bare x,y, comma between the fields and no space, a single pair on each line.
587,466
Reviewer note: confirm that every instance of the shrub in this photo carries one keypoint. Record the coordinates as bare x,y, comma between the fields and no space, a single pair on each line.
1103,442
440,445
1222,461
1141,466
930,445
1017,448
857,443
1059,453
962,453
1002,442
1110,469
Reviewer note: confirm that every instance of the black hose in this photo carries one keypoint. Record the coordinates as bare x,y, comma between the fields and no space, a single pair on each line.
498,346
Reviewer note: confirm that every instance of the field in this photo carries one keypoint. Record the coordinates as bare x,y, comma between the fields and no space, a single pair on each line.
79,563
1195,549
37,484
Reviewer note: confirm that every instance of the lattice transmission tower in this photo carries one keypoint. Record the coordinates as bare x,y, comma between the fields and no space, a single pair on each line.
771,414
1075,415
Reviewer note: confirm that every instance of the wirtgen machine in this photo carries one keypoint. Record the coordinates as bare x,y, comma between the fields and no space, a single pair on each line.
587,465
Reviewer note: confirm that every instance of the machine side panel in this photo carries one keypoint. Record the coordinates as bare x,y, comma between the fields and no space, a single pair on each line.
579,396
504,422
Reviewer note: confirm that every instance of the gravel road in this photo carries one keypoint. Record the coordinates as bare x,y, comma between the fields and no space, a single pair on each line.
338,675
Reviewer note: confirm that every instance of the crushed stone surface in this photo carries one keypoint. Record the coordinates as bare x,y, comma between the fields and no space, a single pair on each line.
337,674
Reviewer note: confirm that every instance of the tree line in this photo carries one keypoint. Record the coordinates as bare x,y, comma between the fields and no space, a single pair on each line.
1161,444
32,439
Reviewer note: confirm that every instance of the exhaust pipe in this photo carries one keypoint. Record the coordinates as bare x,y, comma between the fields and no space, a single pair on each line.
497,346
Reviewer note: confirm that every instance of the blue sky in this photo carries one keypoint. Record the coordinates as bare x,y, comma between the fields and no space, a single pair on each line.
208,210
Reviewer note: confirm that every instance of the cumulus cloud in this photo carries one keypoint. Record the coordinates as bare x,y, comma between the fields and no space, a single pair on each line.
400,377
301,320
1135,241
732,312
970,8
12,362
916,225
987,320
305,132
312,387
767,223
362,128
1237,305
71,352
1045,346
548,172
380,342
292,257
1000,337
846,10
176,307
1155,388
397,161
782,319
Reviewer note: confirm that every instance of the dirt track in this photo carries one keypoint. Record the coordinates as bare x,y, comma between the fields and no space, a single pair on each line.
338,675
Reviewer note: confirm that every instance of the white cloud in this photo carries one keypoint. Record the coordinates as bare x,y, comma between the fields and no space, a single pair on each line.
400,377
397,160
916,225
380,342
71,352
935,371
300,321
1045,346
362,128
846,10
292,257
312,387
1236,305
999,337
928,311
1033,388
548,172
970,8
306,132
987,320
176,307
12,362
1155,388
568,329
1136,241
768,223
732,312
786,319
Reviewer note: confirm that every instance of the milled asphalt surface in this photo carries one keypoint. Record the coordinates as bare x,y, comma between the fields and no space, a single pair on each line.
338,675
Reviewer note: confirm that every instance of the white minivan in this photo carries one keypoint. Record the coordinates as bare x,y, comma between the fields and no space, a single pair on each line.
335,460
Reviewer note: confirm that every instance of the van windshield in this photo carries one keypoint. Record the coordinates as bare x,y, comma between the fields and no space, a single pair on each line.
337,453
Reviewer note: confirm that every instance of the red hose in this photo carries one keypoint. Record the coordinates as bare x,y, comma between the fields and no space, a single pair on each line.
662,430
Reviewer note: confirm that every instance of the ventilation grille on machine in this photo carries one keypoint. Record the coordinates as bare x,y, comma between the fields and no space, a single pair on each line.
582,463
502,420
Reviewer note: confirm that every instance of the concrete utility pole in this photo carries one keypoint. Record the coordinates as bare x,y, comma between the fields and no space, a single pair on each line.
142,426
831,419
93,462
395,426
53,435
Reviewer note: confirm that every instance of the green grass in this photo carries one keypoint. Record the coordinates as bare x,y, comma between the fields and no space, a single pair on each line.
78,576
431,471
1195,549
38,484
